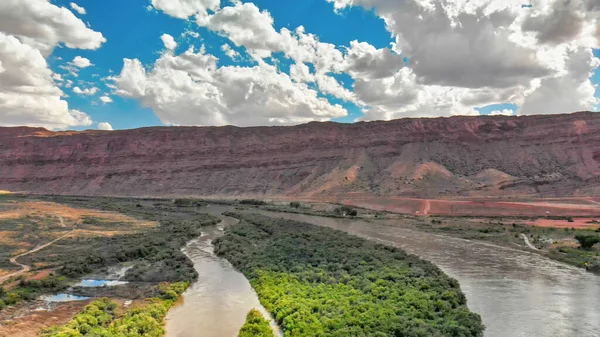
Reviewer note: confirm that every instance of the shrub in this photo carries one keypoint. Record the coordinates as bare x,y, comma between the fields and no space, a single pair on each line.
345,210
188,203
295,204
253,202
587,241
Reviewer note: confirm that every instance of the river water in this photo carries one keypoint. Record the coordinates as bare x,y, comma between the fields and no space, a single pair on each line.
216,304
517,293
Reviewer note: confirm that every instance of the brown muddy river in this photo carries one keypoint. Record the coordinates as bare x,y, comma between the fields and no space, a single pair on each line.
216,305
518,294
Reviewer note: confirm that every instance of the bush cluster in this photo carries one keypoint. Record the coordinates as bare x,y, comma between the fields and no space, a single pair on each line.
587,241
345,210
253,202
256,326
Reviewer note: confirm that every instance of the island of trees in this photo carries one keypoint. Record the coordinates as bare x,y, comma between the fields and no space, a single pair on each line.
320,282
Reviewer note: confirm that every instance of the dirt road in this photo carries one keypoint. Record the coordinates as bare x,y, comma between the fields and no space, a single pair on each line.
25,268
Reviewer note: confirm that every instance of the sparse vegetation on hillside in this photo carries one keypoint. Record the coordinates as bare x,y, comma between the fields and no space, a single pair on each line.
321,282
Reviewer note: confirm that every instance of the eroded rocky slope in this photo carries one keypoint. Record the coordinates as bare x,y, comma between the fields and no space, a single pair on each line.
546,155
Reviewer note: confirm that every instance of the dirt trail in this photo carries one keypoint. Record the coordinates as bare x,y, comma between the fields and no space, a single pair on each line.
25,268
528,243
426,207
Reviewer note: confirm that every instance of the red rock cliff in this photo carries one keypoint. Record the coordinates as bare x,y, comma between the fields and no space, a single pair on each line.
548,155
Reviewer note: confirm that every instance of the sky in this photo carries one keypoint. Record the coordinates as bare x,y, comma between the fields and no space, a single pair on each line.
117,64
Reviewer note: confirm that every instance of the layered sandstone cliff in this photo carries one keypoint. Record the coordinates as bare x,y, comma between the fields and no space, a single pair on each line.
546,155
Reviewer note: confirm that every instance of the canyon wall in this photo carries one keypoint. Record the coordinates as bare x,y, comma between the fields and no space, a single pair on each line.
543,156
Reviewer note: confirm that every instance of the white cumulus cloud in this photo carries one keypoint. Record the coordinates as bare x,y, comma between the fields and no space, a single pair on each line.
169,41
43,25
104,126
29,91
464,54
81,62
230,52
448,57
503,112
87,91
189,89
77,8
183,9
106,99
28,94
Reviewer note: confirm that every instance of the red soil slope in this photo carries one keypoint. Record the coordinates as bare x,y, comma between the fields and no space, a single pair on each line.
441,158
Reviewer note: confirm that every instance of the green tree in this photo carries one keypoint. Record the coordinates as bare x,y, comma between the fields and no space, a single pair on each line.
587,241
256,326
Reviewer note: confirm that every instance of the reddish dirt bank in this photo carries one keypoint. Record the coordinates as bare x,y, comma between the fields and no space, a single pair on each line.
578,223
26,322
479,207
436,158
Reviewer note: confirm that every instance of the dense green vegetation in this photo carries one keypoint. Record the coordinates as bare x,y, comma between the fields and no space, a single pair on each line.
256,326
320,282
101,318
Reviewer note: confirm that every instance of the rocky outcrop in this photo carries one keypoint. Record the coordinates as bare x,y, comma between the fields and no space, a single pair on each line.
546,155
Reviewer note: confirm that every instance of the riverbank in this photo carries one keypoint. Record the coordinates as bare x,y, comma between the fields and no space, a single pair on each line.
557,243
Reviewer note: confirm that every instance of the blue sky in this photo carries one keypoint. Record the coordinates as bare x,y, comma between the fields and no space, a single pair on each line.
375,59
